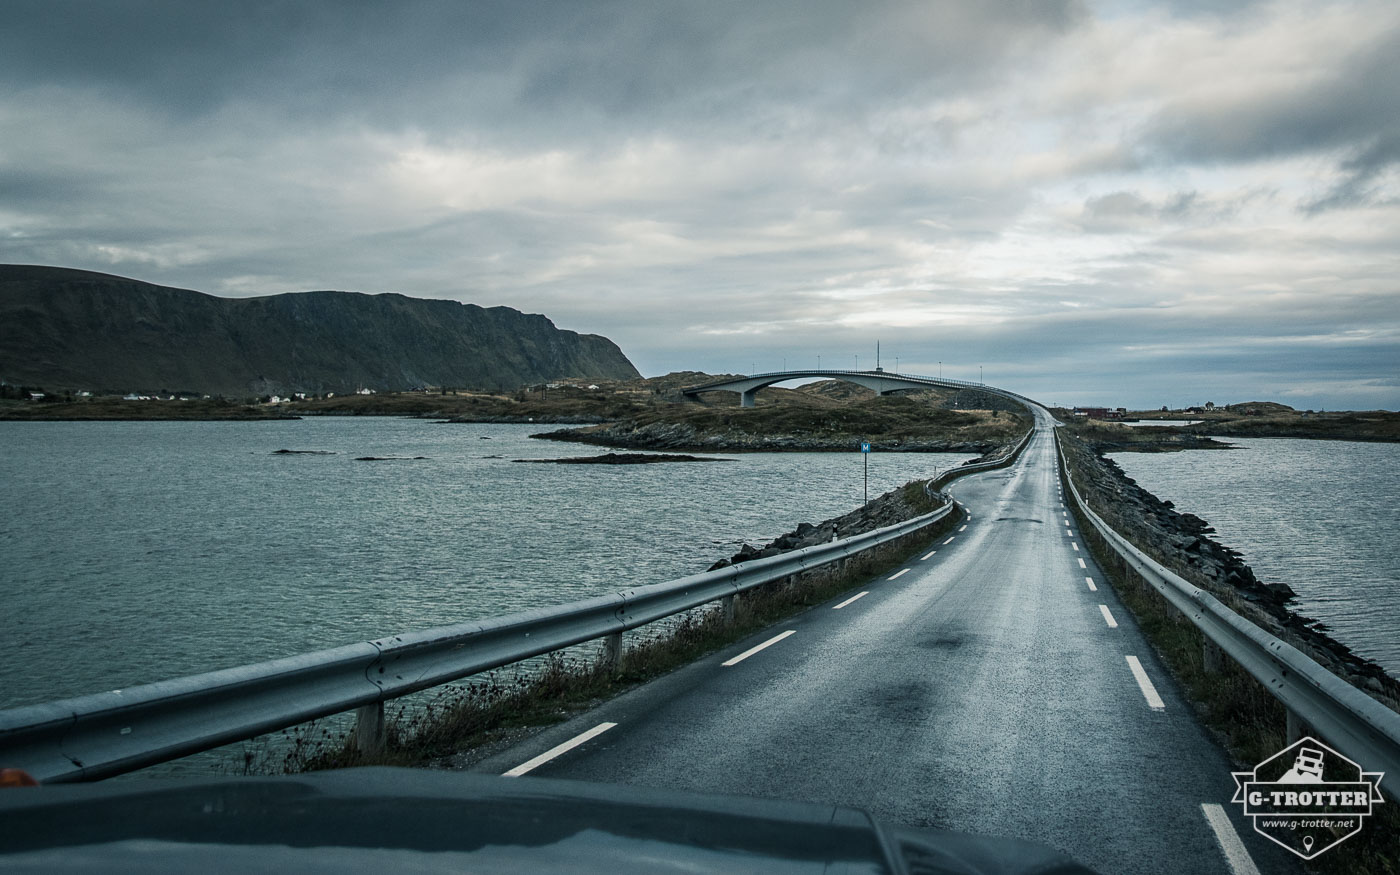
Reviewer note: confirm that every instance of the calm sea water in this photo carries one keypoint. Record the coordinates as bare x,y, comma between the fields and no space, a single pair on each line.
1318,515
136,551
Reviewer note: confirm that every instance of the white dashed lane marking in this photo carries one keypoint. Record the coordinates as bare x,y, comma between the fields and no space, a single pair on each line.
1090,581
900,573
927,556
849,600
1236,855
530,765
1081,564
1108,617
1144,683
752,650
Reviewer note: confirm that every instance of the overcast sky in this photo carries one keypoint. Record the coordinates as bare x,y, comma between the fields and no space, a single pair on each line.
1096,202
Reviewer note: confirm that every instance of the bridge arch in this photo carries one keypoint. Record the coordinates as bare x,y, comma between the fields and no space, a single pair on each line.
879,380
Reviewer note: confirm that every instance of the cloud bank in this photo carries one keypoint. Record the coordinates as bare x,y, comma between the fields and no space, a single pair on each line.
1117,202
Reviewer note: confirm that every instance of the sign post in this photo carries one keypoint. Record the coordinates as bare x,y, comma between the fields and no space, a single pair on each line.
865,455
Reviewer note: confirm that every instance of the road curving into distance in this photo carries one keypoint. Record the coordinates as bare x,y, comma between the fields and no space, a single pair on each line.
992,684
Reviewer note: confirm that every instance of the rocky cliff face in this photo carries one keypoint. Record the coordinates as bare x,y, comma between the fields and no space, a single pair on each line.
76,329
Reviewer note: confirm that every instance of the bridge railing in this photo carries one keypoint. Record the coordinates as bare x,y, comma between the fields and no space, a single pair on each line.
1355,724
105,734
799,374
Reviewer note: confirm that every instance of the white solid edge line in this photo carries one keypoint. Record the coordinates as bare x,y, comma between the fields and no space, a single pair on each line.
849,600
1081,564
553,752
1090,581
900,573
1144,682
752,650
1108,617
927,556
1236,855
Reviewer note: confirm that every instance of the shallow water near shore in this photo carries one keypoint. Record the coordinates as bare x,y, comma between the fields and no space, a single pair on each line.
138,551
1317,515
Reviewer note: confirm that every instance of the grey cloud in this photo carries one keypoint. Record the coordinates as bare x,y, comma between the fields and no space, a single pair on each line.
443,66
1355,109
1126,211
1356,188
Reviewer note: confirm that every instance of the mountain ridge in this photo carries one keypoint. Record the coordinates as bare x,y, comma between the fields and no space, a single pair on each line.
78,329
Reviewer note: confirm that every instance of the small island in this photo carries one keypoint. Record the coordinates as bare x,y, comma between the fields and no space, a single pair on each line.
624,459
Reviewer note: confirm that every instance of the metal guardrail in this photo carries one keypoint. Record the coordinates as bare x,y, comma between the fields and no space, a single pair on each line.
105,734
1354,723
952,474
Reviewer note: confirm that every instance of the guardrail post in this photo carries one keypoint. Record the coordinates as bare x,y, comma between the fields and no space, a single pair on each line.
728,605
612,651
1293,728
369,729
1211,656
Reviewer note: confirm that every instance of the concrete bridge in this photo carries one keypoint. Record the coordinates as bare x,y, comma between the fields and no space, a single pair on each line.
879,380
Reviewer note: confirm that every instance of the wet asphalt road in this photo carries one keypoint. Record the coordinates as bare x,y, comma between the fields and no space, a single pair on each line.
982,690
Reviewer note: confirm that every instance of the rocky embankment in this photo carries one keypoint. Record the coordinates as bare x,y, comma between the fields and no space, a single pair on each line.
895,506
1182,542
685,436
908,501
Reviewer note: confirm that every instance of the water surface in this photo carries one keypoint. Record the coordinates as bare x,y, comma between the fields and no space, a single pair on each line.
139,551
1317,515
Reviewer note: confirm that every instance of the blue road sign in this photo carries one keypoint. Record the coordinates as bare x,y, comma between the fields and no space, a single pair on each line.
865,446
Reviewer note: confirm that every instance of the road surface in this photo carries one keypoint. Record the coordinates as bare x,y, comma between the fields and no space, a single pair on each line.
993,684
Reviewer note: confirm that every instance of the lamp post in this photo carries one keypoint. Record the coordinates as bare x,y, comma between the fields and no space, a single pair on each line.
857,355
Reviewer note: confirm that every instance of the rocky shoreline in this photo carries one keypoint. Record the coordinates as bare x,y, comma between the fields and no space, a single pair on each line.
502,419
895,506
622,459
687,438
1183,543
900,504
